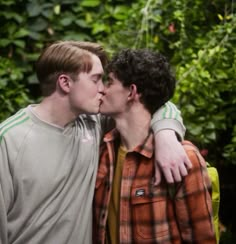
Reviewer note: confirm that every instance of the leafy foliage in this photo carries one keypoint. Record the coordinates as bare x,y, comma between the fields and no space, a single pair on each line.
199,40
197,36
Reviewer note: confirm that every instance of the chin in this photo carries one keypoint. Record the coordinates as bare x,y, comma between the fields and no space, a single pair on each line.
91,111
104,112
101,111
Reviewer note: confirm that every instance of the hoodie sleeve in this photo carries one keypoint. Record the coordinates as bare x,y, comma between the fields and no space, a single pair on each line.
168,117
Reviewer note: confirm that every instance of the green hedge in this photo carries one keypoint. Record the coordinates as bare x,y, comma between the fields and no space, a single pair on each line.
197,36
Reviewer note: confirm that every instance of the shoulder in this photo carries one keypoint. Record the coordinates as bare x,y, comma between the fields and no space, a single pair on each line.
197,180
15,126
194,154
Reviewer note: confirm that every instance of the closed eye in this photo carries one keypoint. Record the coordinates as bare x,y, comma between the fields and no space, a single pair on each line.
96,78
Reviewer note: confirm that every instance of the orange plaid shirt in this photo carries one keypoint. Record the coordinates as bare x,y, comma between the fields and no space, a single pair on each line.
148,213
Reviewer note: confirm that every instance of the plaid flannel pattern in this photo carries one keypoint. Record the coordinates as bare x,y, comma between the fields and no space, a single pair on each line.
148,213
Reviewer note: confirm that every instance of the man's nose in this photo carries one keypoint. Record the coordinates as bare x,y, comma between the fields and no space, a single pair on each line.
101,88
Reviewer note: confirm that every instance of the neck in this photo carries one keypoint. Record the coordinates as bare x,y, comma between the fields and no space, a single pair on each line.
55,110
133,127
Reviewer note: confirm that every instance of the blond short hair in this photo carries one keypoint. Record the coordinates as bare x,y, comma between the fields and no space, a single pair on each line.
70,57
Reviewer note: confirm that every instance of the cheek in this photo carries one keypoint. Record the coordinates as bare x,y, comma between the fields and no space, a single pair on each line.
95,90
109,97
116,100
89,91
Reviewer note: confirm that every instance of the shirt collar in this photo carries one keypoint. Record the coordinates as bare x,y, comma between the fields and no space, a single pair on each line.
146,149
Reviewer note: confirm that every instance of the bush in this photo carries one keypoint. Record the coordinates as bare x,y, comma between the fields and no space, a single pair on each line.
198,38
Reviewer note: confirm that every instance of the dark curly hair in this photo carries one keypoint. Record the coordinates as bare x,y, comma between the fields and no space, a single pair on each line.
149,71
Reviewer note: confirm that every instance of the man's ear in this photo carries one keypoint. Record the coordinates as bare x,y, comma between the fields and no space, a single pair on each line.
63,83
133,92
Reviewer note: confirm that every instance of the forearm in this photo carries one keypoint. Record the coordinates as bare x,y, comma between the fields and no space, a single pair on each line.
170,156
168,117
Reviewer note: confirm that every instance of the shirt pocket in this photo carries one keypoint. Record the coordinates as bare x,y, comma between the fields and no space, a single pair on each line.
149,212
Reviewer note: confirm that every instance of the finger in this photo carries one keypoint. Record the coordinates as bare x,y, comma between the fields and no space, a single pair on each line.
188,163
168,175
183,170
176,174
157,179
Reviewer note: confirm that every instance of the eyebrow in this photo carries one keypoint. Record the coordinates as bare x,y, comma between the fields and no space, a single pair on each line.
100,75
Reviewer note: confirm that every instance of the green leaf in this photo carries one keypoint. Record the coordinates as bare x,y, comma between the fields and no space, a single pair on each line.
19,43
88,17
3,82
221,74
21,33
90,3
33,79
4,42
14,16
7,2
48,13
190,108
34,9
35,35
121,12
77,36
196,130
210,125
57,9
81,23
66,21
211,136
99,27
38,24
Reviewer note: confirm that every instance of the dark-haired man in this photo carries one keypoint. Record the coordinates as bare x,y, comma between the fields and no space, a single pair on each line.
128,207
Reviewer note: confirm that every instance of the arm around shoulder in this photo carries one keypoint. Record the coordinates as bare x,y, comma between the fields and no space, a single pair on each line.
170,156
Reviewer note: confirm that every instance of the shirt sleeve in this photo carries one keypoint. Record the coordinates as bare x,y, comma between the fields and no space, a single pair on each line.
6,191
193,204
168,117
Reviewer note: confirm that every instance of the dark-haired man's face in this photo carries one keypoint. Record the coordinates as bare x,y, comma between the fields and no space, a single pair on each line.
115,97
